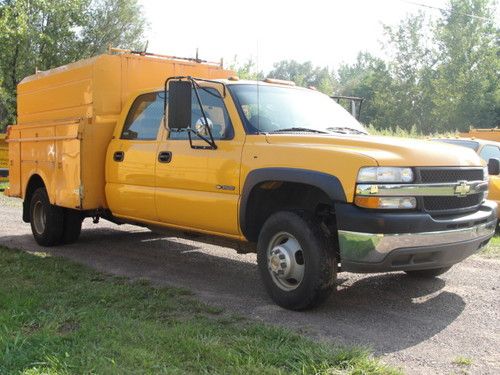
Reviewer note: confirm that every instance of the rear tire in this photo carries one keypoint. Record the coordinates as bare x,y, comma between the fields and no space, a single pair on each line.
296,260
46,220
72,226
428,274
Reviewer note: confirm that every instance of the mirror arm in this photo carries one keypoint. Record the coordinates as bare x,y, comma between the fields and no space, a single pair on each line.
211,81
211,142
195,85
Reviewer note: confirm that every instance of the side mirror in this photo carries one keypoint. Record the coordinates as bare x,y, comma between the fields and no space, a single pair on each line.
179,104
493,167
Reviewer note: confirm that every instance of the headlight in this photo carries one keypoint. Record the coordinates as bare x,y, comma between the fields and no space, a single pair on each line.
388,203
486,174
385,174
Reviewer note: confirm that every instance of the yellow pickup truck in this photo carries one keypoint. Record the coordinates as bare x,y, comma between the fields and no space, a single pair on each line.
168,142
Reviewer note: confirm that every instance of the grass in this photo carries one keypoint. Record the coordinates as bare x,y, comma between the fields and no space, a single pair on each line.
57,317
407,133
3,186
493,248
462,361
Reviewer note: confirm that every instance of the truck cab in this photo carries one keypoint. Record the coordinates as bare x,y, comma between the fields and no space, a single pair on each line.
283,169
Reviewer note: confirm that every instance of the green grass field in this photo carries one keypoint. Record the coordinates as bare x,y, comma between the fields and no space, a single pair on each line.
57,317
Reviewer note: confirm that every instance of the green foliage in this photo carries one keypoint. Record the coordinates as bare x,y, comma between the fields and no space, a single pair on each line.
42,34
60,318
304,74
247,70
369,78
467,81
442,74
493,248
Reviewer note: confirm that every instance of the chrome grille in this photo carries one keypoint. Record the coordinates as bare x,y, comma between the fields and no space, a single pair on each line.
450,205
436,175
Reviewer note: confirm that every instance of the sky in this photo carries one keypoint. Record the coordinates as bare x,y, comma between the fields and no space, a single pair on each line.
328,32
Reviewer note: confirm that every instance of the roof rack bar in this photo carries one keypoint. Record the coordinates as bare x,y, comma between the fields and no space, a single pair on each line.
172,57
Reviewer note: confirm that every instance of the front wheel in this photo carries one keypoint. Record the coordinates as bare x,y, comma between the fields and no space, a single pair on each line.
296,260
427,274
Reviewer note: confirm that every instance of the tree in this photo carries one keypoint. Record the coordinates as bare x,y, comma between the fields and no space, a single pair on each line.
411,69
247,70
44,34
467,89
369,78
304,74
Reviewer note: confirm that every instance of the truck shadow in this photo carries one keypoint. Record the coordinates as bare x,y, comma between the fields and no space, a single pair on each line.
385,312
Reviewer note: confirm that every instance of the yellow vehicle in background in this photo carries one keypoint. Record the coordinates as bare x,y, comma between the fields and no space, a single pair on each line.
487,150
4,159
285,171
492,134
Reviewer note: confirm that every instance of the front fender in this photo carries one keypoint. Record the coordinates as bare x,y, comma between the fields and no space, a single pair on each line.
329,184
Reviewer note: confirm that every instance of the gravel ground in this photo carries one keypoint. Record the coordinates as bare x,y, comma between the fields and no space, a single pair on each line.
449,325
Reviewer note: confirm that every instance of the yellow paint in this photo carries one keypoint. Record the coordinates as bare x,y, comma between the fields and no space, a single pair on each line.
492,134
66,119
4,155
69,127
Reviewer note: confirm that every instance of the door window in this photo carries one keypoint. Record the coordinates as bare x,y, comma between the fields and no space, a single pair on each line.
144,117
217,116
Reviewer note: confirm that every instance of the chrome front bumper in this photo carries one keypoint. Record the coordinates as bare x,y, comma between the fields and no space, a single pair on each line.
371,252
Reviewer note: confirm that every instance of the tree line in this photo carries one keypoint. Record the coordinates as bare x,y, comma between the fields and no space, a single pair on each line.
43,34
441,74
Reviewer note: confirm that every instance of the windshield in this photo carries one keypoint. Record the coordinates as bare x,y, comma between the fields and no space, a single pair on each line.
274,109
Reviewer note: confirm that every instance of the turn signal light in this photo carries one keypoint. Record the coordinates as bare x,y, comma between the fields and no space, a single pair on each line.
388,203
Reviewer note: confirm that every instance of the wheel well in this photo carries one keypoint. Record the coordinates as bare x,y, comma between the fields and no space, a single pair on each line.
271,196
34,183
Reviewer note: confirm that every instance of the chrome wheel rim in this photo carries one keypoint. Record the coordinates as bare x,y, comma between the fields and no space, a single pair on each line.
285,261
39,217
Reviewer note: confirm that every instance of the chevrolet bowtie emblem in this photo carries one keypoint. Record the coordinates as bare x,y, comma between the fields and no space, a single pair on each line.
463,188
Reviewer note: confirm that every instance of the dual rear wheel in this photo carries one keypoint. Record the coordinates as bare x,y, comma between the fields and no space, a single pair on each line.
52,225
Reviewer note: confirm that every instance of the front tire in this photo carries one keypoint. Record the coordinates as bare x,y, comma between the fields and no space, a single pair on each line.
428,274
296,260
47,220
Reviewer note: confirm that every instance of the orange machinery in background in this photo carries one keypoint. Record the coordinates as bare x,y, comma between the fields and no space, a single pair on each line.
492,134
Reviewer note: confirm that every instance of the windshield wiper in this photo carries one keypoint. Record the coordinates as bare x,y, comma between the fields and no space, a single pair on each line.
345,130
299,129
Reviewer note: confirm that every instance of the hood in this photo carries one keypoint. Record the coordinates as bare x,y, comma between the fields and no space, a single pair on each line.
386,151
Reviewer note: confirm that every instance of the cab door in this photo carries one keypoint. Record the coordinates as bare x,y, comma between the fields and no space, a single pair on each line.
199,188
131,160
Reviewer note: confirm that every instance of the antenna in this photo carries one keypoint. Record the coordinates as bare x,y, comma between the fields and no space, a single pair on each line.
145,48
258,95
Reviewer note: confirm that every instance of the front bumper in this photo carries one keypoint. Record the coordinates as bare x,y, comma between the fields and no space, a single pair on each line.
374,242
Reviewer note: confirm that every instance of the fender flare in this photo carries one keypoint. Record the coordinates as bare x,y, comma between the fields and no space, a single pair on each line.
26,202
328,183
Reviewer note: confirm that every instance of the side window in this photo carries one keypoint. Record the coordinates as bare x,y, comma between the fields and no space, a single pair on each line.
217,116
144,118
489,152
